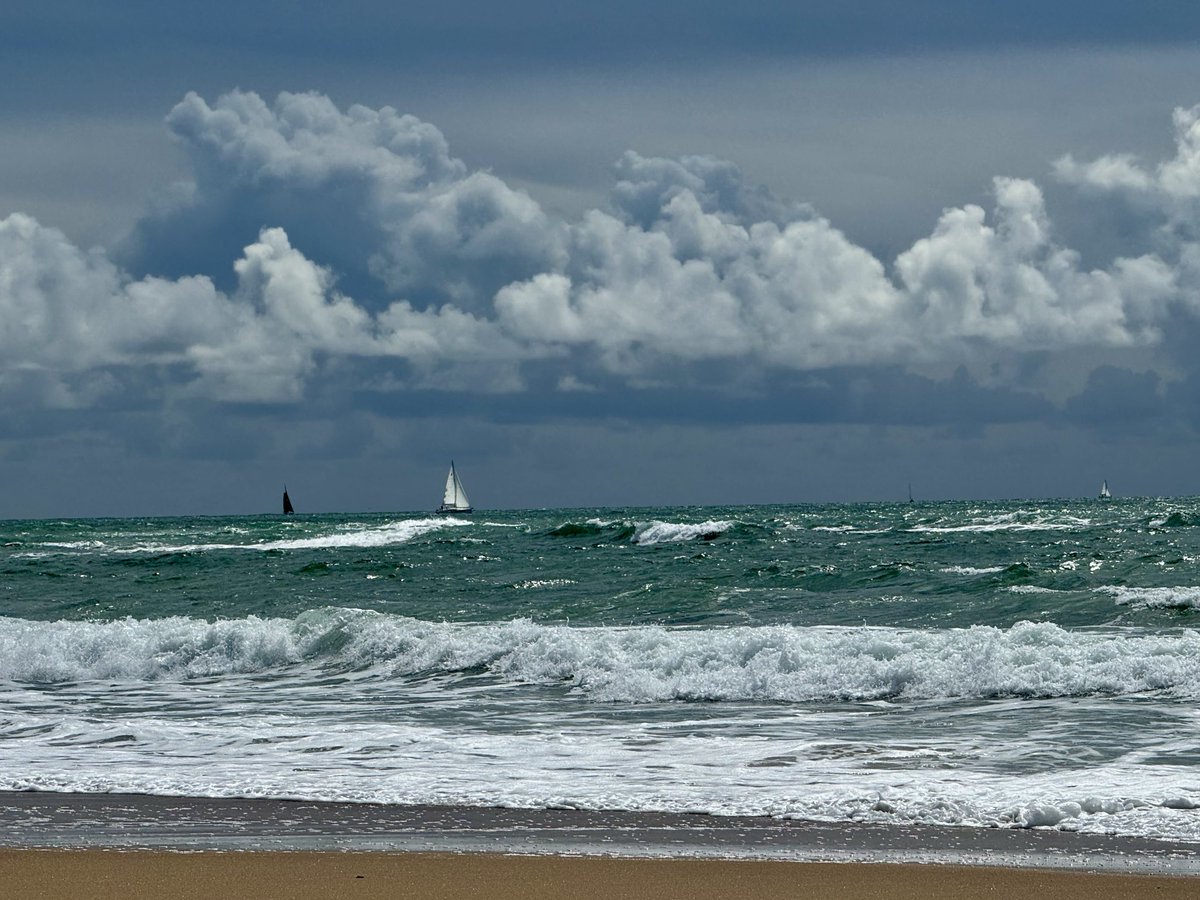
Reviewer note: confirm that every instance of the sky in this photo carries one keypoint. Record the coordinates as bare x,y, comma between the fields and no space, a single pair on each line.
664,253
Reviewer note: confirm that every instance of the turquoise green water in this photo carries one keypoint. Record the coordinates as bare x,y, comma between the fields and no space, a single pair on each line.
944,565
1014,664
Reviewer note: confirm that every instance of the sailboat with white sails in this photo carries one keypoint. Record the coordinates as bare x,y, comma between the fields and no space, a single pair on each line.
454,499
1105,494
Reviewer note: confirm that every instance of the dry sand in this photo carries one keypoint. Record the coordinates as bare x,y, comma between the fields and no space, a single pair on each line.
154,875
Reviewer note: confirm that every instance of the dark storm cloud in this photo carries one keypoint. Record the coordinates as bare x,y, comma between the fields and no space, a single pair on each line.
537,31
377,192
1118,397
875,396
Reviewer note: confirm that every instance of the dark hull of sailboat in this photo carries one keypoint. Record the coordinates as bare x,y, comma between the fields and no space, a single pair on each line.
455,510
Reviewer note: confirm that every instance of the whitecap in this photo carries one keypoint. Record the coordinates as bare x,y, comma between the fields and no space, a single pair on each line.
656,532
353,535
1154,597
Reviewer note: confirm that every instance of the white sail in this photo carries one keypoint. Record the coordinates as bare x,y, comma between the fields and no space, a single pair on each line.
454,498
1104,492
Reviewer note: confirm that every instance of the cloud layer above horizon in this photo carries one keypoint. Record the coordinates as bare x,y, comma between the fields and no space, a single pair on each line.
316,246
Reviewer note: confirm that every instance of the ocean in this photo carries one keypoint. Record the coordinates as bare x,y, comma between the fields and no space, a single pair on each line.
1013,664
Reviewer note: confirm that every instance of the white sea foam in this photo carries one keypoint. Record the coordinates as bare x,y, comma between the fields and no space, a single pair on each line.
352,535
392,533
634,664
1014,521
60,548
669,532
347,535
604,767
1154,597
843,529
972,570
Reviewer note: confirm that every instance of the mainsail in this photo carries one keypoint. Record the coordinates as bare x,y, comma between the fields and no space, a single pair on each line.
1104,492
454,499
287,503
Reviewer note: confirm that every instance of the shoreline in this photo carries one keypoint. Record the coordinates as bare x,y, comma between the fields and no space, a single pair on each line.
142,847
46,821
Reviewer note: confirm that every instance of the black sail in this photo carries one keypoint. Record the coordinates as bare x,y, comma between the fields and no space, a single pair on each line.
287,503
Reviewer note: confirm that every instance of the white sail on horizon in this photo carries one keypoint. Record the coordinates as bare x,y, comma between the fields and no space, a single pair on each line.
454,498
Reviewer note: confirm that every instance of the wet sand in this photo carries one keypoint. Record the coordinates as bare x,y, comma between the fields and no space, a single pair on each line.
130,847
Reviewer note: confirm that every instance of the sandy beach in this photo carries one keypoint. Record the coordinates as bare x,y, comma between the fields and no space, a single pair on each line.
133,875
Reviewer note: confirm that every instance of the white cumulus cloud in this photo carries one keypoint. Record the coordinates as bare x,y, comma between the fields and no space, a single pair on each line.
372,243
377,190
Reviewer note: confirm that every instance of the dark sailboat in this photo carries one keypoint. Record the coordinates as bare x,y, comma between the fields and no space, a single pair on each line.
287,503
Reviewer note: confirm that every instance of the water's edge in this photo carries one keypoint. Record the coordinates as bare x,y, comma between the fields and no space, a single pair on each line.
126,821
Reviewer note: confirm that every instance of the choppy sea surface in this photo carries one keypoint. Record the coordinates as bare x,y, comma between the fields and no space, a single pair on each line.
1015,664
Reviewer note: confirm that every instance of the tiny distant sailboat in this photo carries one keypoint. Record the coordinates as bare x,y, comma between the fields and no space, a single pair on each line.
287,503
1105,493
910,497
454,500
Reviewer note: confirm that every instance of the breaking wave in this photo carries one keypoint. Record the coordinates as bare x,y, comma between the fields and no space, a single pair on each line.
1154,597
595,528
626,664
392,533
671,532
352,535
644,533
1174,520
1013,521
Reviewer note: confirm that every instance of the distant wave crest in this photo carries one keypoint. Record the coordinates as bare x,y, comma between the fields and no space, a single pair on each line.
1173,520
1155,597
644,533
1009,521
595,528
350,535
632,664
671,532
